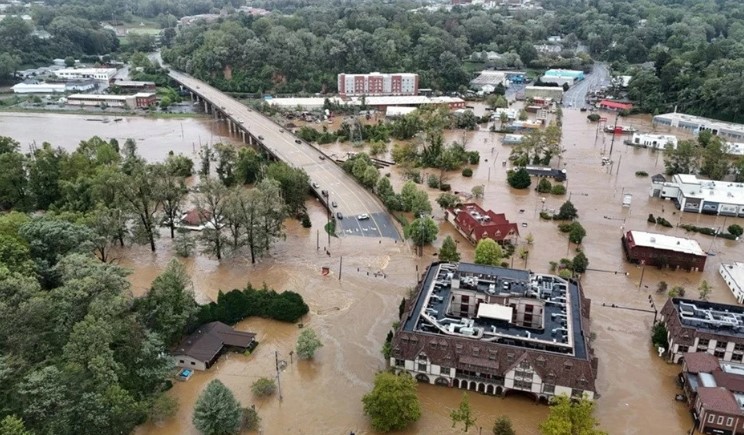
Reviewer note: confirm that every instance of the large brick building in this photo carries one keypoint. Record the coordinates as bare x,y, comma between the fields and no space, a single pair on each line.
474,224
715,393
663,251
701,326
496,330
378,84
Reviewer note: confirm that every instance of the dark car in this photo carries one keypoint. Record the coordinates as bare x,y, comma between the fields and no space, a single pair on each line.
322,157
339,215
260,138
324,192
334,204
298,141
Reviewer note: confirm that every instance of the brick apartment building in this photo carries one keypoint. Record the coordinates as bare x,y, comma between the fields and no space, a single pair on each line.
497,331
715,393
378,84
474,224
663,251
701,326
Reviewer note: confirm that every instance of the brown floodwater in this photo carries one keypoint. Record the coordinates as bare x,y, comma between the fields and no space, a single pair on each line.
352,314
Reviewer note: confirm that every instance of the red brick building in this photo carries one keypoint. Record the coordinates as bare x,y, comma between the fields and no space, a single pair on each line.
661,250
713,389
475,223
145,99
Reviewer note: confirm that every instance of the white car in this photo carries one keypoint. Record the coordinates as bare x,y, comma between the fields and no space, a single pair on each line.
362,217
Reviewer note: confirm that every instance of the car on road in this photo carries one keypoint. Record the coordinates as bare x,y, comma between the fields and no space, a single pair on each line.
334,204
363,217
260,138
298,141
322,157
339,215
316,185
324,193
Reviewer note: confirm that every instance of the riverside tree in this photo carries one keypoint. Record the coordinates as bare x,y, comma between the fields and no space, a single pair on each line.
307,344
217,412
422,231
463,414
392,404
568,417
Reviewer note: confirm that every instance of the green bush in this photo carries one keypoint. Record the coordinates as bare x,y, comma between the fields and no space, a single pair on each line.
467,172
651,218
544,186
263,387
519,179
546,216
432,181
473,157
593,117
735,230
236,305
445,187
663,222
558,189
641,174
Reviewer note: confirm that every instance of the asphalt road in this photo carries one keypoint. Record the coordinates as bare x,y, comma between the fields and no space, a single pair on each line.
351,198
575,97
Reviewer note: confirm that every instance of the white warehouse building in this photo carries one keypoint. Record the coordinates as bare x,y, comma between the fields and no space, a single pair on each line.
656,141
86,73
733,275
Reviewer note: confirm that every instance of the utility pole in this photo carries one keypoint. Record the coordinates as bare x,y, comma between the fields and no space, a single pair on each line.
278,378
317,240
340,266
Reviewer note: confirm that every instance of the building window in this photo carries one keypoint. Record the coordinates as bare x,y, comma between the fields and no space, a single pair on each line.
739,347
523,385
683,349
703,342
721,344
422,366
577,393
181,361
711,418
399,363
729,421
736,357
720,419
548,388
719,353
444,371
193,363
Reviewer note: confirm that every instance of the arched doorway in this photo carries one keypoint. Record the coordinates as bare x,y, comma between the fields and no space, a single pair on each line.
442,381
422,378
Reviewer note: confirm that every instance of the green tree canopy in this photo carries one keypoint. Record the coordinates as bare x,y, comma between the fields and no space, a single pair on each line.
217,412
568,418
392,404
487,251
448,251
307,343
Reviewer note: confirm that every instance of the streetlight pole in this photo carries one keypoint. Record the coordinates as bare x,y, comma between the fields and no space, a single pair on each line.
643,270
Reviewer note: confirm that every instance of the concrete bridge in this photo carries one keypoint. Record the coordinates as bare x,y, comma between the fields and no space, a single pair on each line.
350,198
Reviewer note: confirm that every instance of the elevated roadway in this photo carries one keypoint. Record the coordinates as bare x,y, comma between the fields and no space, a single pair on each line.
351,199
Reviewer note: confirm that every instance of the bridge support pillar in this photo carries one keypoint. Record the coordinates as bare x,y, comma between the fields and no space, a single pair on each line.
206,107
242,133
192,96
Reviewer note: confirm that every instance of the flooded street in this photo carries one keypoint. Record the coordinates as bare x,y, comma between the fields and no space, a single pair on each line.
353,314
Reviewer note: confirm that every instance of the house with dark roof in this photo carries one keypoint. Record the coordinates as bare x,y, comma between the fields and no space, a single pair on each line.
203,348
715,393
474,224
702,326
497,331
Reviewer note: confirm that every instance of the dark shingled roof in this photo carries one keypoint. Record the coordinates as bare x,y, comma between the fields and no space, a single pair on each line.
208,341
718,399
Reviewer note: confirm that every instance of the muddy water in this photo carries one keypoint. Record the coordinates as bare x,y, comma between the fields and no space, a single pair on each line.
353,314
155,137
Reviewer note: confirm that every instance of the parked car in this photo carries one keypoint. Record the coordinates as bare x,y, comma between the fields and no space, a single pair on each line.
324,192
322,157
339,215
362,217
334,204
298,141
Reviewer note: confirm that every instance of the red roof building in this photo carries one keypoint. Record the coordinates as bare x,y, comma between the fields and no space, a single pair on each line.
614,105
475,223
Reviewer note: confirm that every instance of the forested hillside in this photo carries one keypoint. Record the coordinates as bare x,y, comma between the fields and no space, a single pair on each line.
695,46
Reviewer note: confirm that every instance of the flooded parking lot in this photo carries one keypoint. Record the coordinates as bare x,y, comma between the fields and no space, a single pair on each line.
352,314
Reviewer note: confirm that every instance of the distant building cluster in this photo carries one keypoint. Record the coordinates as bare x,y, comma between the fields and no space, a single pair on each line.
495,330
697,124
562,77
398,104
377,84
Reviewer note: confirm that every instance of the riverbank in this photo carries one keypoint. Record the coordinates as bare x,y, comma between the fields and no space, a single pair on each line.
108,112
